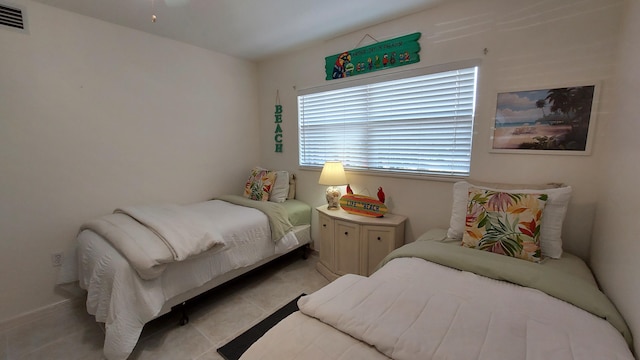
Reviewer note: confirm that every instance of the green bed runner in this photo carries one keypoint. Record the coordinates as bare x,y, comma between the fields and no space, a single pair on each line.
277,214
299,212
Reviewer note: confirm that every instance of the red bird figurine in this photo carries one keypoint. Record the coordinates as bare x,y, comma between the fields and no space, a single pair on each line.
349,191
381,195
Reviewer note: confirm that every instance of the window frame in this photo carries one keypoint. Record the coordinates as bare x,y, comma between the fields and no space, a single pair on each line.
391,76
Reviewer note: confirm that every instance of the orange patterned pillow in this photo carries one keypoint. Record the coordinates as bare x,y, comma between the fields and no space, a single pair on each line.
504,223
258,186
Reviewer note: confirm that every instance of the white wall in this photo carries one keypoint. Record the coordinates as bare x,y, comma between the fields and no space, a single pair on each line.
530,44
95,116
615,240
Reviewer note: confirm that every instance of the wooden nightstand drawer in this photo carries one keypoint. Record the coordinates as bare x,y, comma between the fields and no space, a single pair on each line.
327,248
347,244
378,242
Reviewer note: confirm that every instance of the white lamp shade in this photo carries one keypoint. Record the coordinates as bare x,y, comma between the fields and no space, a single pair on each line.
332,174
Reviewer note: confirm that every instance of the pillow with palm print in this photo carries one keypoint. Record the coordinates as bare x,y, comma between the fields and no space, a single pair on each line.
504,223
258,186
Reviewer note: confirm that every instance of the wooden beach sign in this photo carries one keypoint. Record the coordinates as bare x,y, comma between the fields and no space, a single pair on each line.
363,205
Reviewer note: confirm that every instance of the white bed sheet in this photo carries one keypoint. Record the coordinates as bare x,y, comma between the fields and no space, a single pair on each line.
118,297
415,309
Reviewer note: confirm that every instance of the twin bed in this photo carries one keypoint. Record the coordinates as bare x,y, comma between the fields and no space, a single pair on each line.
436,299
139,262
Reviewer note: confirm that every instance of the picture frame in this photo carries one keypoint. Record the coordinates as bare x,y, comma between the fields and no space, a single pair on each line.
558,120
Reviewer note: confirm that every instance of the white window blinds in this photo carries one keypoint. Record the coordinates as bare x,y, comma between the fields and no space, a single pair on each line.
419,125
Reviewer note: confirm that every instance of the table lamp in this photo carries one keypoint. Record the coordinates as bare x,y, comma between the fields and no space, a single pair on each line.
333,175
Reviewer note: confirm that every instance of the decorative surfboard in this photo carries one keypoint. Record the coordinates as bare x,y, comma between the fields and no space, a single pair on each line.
363,205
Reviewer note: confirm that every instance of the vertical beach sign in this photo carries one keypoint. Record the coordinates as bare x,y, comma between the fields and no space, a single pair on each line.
278,122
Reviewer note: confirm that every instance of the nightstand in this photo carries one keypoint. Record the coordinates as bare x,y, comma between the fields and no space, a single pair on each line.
355,244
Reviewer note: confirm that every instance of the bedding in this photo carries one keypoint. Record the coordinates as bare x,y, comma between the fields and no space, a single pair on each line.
118,296
283,186
150,237
184,232
504,223
280,188
438,300
277,215
552,218
258,186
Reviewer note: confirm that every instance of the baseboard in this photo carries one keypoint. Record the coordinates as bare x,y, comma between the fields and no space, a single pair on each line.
41,313
63,305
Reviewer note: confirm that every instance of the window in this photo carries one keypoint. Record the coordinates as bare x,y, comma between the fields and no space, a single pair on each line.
418,124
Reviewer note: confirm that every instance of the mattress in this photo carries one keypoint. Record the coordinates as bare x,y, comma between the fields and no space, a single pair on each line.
125,302
412,308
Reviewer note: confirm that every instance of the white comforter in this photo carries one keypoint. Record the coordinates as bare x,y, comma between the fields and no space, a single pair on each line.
184,230
150,237
415,309
122,300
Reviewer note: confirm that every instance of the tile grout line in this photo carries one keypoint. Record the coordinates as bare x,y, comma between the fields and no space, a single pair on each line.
10,352
57,340
40,313
213,347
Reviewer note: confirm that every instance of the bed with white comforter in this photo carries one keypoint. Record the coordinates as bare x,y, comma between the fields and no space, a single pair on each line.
436,300
137,263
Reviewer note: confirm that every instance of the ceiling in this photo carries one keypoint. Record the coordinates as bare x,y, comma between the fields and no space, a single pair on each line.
249,29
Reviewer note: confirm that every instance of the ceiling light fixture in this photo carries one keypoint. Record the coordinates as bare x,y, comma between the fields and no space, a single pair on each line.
154,18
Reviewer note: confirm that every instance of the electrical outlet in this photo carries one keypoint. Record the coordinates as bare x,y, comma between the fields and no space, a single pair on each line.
56,259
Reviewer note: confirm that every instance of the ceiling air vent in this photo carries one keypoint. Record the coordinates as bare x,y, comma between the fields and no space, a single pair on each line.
12,17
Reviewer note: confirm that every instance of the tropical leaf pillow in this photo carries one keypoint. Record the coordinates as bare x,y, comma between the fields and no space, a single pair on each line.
504,223
258,186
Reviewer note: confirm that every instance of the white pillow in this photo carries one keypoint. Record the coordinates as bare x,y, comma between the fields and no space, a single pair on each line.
292,187
552,217
280,190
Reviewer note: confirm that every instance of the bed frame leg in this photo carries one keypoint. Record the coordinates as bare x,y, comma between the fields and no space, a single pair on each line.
305,251
184,320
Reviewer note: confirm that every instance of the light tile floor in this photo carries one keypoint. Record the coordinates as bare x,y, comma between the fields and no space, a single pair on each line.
215,318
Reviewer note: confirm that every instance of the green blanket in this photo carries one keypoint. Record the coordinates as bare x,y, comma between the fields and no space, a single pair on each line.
299,212
277,214
566,286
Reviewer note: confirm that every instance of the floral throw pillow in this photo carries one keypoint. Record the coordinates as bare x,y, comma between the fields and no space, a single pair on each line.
258,186
504,223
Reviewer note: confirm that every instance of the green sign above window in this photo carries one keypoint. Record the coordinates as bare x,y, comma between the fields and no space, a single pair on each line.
379,56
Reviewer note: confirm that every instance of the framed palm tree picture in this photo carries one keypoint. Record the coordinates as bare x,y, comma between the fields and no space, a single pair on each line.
556,120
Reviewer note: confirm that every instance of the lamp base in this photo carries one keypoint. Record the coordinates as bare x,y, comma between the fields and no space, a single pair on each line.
333,198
